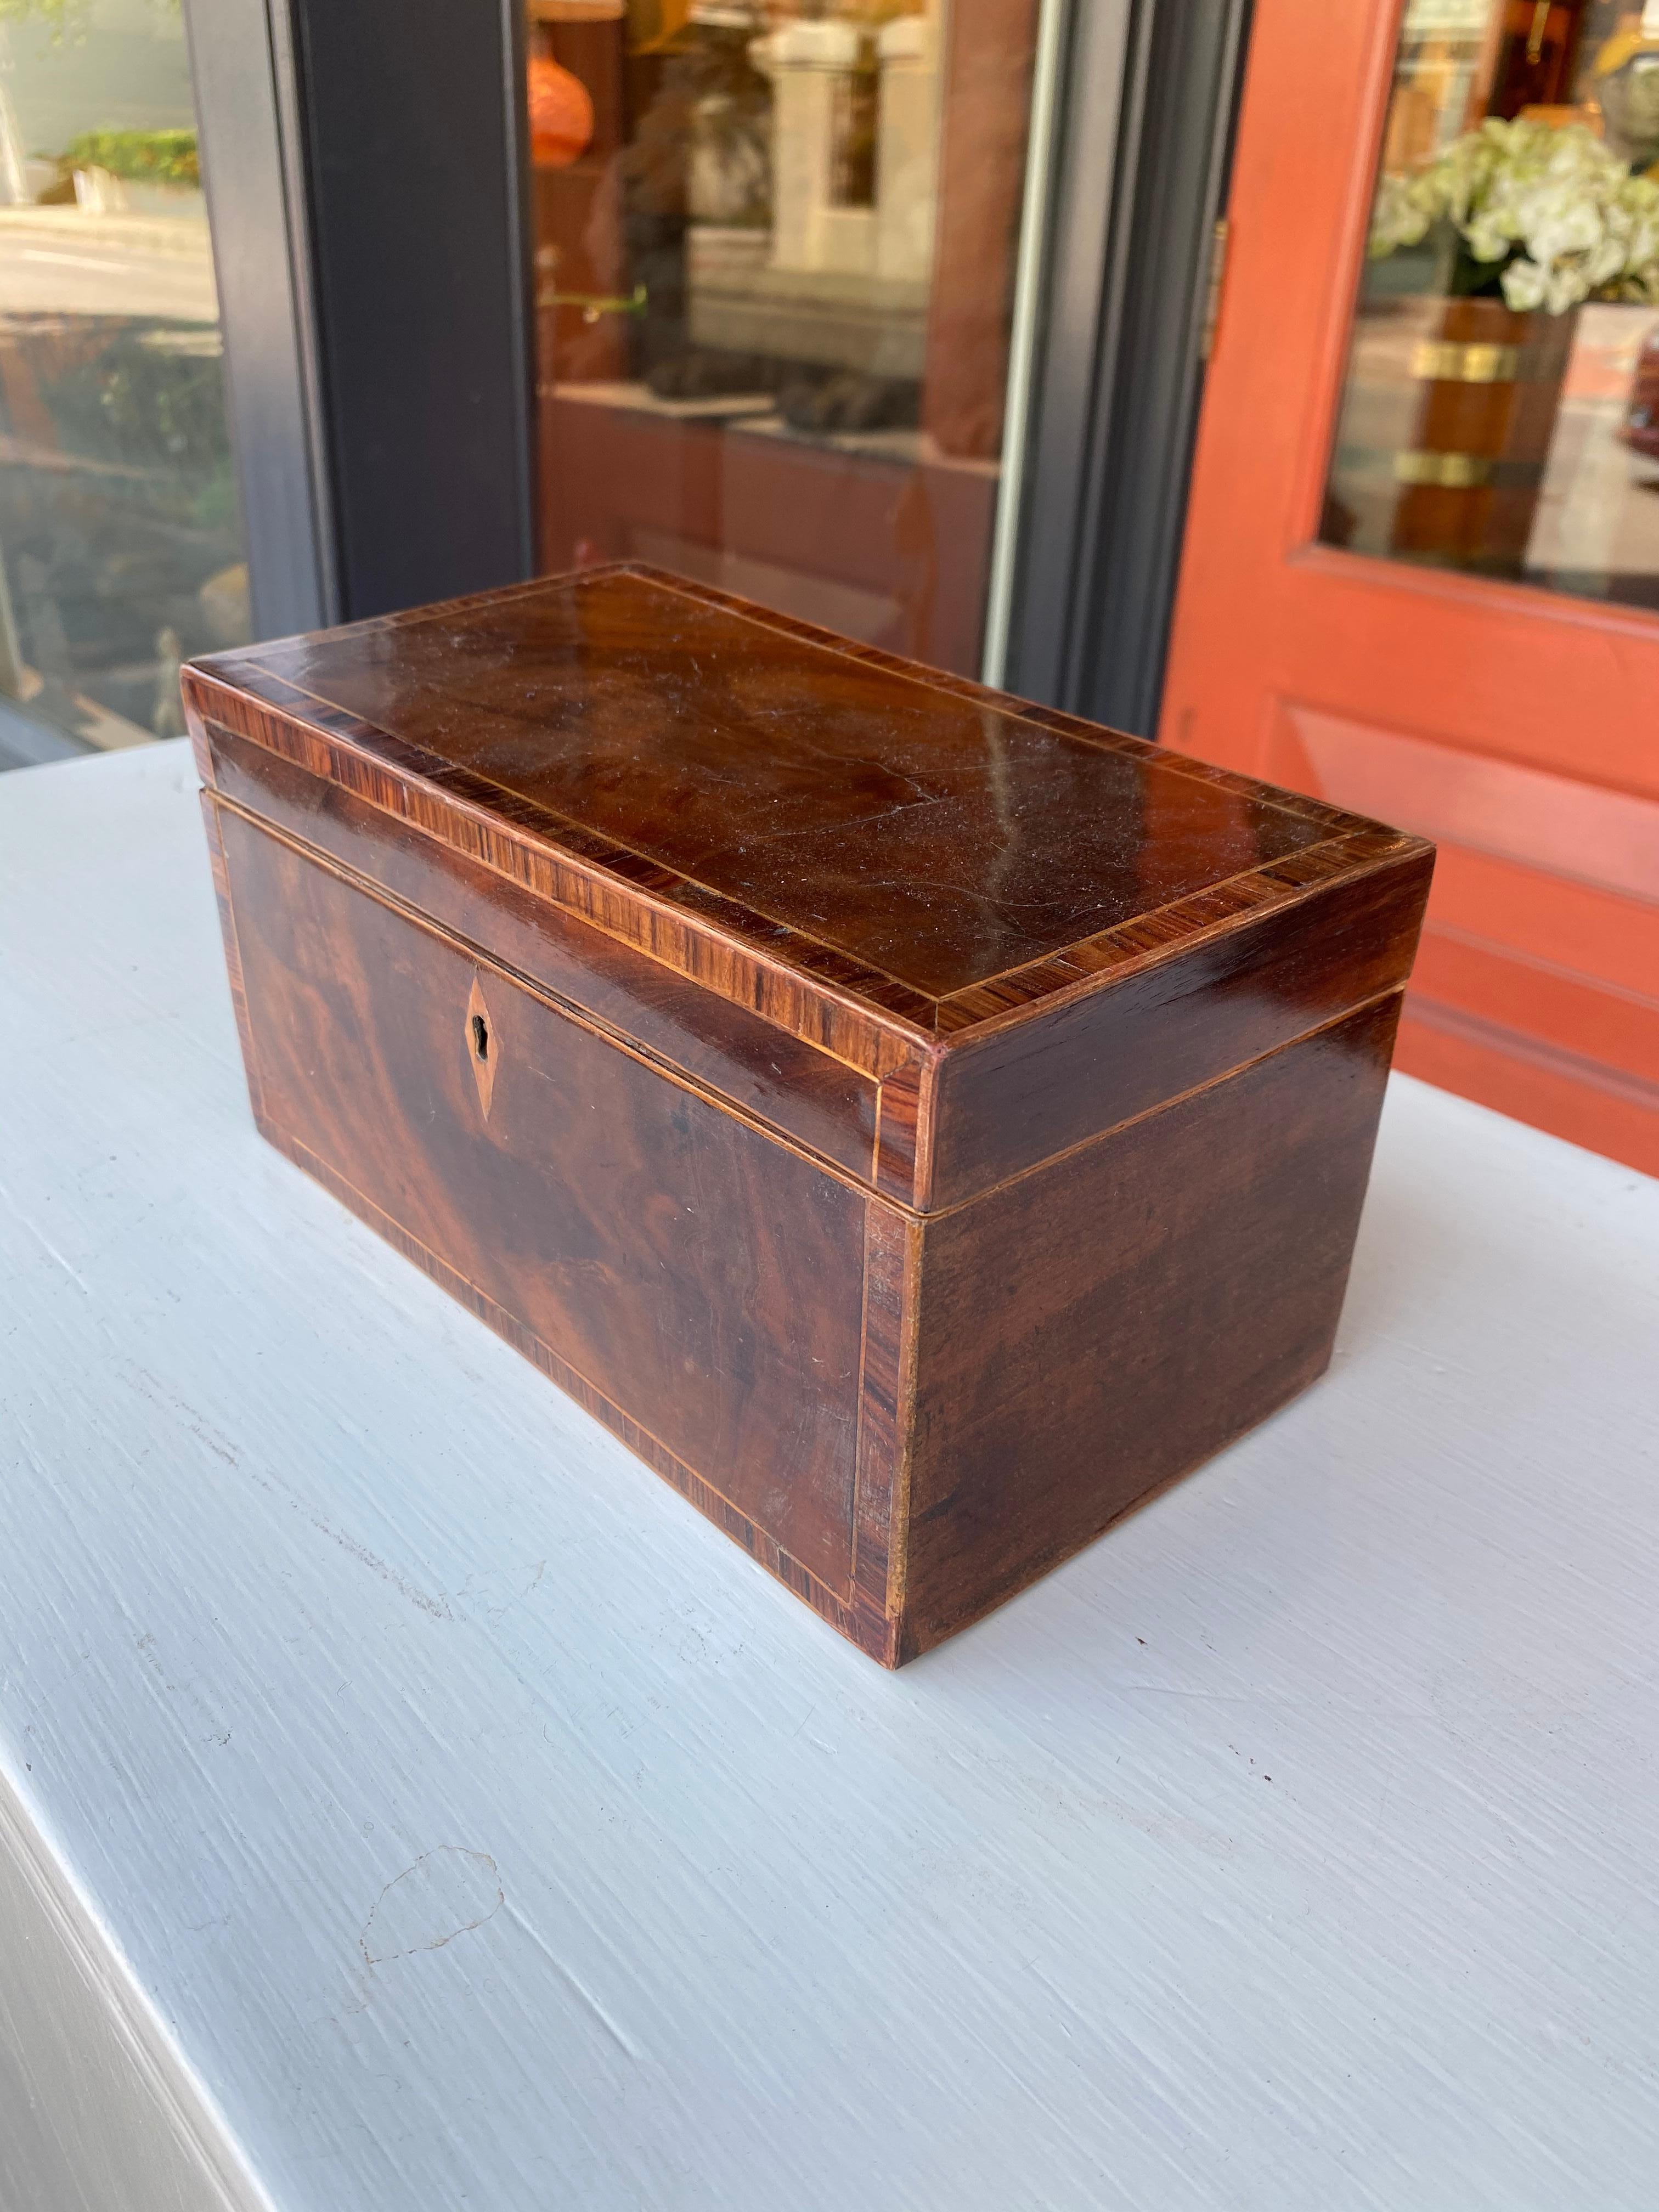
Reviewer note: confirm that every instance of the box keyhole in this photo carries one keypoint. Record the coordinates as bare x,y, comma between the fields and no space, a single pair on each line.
482,1048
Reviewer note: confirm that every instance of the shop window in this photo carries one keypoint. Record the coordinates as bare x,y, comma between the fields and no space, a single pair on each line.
1501,411
775,268
120,547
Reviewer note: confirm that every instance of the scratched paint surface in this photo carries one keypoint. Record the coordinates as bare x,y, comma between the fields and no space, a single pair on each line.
492,1833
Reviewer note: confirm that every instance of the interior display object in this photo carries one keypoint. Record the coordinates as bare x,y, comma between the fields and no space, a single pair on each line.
919,1123
834,286
1624,80
1539,215
878,325
821,219
1470,480
986,72
729,169
589,304
1443,46
1532,220
906,147
561,114
775,297
1641,425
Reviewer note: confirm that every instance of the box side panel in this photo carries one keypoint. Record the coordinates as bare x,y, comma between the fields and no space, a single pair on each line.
1030,1089
1107,1323
810,1096
695,1283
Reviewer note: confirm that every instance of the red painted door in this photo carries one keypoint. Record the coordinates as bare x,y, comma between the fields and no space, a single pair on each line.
1421,570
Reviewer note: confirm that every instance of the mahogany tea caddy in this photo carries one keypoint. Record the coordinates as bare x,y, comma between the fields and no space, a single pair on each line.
918,1123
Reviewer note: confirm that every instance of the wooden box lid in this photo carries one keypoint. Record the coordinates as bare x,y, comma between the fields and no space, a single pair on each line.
887,861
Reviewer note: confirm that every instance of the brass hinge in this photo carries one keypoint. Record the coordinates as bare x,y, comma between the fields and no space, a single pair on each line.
1218,238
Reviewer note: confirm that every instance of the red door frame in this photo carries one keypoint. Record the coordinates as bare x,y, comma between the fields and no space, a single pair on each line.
1518,727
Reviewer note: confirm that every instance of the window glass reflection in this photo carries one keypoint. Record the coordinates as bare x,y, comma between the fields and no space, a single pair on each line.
775,259
120,539
1501,413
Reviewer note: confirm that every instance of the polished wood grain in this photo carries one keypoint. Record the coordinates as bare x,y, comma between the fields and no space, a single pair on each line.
863,1019
934,841
1107,1323
704,1280
1021,1092
890,833
807,1094
910,1274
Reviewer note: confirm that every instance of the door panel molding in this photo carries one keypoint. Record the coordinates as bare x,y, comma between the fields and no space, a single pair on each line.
1552,919
1615,1031
1512,725
1608,839
1519,1075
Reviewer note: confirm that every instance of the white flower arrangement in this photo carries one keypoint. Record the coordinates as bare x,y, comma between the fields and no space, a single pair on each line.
1560,212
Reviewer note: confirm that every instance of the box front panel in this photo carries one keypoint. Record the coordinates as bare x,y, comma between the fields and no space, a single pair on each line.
697,1276
723,1046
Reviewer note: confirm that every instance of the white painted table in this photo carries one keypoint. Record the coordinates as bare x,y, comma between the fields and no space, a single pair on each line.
490,1832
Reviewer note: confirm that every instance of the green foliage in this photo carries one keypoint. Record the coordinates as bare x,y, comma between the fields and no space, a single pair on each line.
64,19
142,402
152,157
